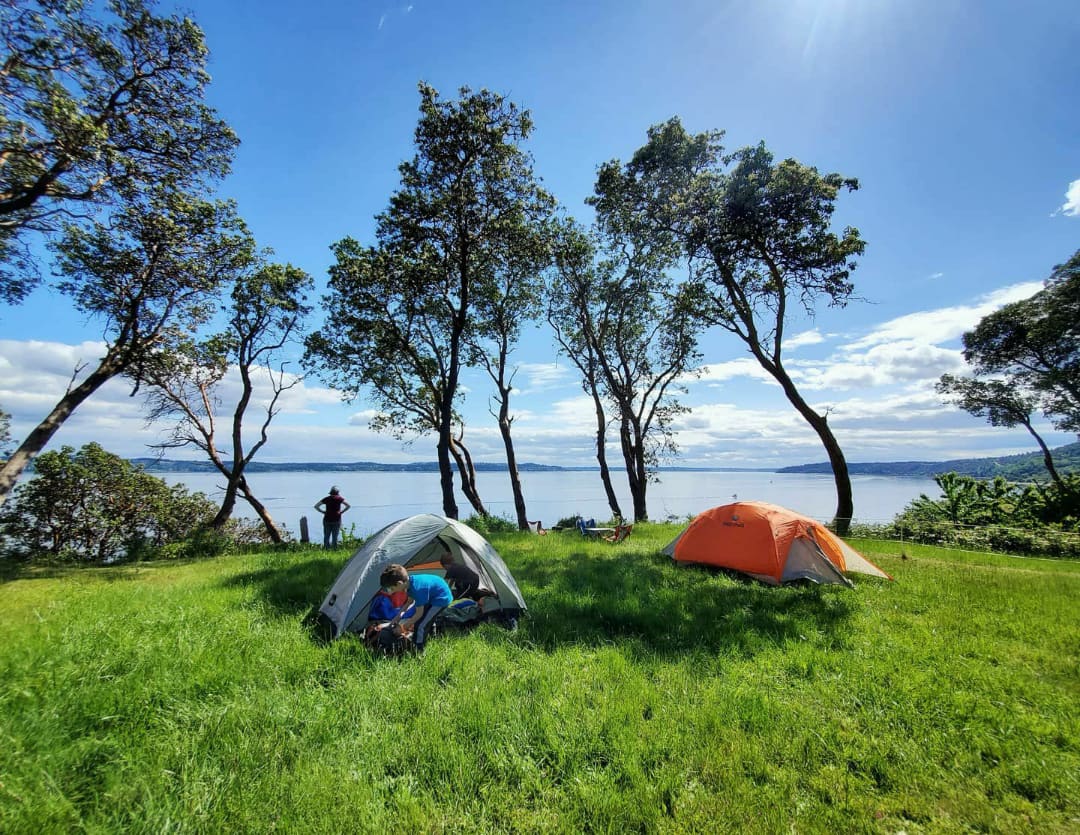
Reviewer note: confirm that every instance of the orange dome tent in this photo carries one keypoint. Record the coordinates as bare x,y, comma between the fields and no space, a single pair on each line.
770,543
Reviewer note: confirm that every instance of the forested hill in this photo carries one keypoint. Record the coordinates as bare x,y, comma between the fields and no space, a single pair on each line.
1026,467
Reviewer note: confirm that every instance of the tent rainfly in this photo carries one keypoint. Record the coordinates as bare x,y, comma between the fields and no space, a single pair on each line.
417,543
770,543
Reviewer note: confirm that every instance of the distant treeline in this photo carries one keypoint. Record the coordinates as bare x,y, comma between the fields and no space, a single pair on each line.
154,465
1025,467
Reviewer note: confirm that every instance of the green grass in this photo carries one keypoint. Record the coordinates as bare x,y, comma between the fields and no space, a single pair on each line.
637,697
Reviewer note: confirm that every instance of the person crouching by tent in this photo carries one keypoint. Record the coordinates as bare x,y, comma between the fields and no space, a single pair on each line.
426,592
463,581
379,634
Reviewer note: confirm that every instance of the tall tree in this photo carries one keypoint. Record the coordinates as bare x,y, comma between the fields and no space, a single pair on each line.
1034,345
152,275
630,324
757,233
265,313
400,313
573,285
397,353
1001,404
100,101
503,306
645,339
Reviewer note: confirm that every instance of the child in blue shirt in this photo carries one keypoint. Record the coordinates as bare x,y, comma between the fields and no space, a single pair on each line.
428,593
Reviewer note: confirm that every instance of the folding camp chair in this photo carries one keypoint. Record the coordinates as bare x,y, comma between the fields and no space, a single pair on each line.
621,532
585,526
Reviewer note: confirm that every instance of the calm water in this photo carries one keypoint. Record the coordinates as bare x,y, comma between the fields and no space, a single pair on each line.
380,498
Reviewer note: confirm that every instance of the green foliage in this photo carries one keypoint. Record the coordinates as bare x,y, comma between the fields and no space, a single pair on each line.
488,525
151,275
997,515
636,697
100,102
268,303
1033,346
622,317
402,314
93,506
758,236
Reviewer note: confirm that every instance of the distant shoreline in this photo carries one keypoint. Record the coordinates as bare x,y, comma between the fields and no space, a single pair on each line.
1023,467
152,465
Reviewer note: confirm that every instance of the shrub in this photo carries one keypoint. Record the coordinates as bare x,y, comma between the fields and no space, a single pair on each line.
487,525
93,506
996,515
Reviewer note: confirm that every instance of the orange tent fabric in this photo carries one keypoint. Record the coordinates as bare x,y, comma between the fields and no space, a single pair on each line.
768,542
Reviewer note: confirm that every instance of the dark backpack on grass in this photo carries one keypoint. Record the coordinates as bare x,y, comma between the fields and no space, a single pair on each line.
387,641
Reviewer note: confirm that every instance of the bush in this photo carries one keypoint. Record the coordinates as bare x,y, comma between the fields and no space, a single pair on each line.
997,515
93,506
487,525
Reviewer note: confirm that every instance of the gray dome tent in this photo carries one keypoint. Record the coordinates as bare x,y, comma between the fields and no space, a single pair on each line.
416,543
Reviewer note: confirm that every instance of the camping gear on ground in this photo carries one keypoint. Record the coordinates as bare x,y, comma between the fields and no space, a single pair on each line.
770,543
383,638
620,533
417,543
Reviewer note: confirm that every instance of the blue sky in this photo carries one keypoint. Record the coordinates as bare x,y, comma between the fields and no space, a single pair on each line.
958,117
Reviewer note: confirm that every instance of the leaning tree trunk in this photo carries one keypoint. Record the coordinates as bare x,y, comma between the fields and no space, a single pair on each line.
511,465
1048,459
259,508
228,503
446,472
468,475
845,506
601,458
40,436
636,475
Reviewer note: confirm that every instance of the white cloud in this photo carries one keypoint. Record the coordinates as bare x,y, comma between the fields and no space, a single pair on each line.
720,372
540,376
881,365
944,324
1071,206
811,337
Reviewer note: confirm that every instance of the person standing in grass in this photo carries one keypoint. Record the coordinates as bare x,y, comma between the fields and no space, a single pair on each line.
331,507
428,593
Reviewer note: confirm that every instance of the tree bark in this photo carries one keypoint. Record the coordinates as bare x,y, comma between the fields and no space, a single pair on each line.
260,509
446,472
511,465
228,503
468,475
601,457
1048,459
845,506
636,474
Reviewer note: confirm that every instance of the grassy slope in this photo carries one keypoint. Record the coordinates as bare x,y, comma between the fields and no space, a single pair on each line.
636,697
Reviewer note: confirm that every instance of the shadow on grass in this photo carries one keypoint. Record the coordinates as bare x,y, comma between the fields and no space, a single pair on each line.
665,609
291,588
44,570
634,597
